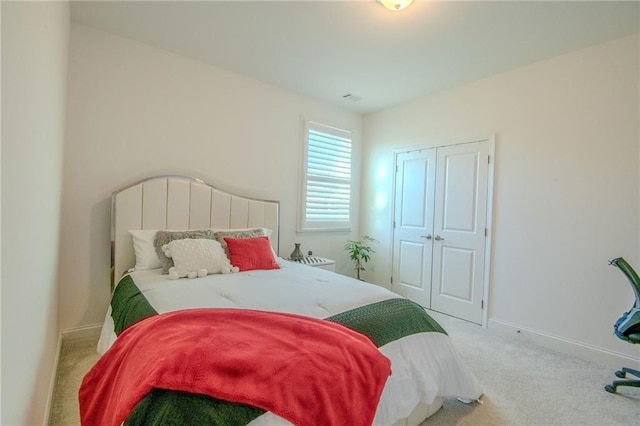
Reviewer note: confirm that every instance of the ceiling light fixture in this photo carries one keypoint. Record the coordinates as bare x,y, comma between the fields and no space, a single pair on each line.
395,4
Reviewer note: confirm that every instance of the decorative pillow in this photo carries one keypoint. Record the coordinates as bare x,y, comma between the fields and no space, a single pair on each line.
165,237
146,256
197,257
240,233
251,253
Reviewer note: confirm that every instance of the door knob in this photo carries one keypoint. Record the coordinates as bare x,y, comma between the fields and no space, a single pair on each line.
439,238
428,237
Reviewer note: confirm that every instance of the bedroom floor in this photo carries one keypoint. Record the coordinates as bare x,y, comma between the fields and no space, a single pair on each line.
76,358
524,384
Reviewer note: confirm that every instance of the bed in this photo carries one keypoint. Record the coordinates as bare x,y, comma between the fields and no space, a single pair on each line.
424,365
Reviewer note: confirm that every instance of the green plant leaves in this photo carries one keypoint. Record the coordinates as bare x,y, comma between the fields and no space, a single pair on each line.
360,252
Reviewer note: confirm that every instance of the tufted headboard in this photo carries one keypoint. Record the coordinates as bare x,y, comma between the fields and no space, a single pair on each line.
180,202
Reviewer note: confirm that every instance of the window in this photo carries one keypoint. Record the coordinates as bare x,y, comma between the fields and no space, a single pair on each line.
326,188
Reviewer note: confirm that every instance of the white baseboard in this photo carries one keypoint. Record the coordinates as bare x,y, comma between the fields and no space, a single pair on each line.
561,344
81,332
52,382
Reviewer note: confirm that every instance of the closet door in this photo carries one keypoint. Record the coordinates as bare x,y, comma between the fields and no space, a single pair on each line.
460,215
440,217
413,225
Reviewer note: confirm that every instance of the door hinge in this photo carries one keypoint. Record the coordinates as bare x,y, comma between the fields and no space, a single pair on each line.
396,168
488,159
486,232
391,280
394,224
482,304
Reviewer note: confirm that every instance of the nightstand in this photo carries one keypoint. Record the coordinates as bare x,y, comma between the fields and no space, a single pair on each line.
317,262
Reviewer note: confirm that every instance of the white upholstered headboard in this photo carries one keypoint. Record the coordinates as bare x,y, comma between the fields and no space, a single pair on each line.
179,202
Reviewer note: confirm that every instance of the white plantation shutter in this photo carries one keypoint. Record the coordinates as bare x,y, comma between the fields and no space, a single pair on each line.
327,179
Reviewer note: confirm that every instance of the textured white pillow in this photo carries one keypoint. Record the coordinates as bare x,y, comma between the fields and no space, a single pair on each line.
146,256
192,255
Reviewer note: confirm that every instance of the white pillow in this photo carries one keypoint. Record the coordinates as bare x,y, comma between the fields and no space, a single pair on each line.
146,256
192,255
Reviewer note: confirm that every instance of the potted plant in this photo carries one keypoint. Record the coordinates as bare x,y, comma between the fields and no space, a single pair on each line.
360,252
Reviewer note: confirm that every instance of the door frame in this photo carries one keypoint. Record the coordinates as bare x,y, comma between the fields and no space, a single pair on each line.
489,218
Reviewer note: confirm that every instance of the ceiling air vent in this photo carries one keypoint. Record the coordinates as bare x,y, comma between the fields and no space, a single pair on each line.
352,98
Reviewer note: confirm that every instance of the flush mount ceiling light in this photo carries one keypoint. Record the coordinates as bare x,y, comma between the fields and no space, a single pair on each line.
395,4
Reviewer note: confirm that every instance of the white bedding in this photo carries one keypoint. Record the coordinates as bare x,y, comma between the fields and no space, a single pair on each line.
424,365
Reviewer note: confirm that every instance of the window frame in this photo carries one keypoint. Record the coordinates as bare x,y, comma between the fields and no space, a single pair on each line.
305,225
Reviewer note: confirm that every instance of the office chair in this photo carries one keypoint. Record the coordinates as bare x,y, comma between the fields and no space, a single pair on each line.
627,327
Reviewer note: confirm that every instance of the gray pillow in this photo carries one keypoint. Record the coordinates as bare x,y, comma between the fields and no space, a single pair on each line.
238,233
165,237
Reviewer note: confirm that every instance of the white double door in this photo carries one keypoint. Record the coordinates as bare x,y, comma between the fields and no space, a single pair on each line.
439,239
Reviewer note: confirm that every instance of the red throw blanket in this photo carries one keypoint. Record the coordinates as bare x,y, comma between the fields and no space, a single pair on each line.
308,371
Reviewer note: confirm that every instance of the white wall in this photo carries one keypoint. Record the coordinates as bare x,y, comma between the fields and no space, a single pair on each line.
566,186
34,74
136,111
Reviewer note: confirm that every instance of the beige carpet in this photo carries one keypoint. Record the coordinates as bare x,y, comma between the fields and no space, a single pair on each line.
524,384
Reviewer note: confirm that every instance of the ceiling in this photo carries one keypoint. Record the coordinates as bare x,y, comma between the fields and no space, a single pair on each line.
327,49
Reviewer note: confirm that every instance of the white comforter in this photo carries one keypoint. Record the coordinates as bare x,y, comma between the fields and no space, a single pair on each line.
424,366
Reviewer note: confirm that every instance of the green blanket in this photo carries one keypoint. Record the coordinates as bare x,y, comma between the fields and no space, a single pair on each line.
382,322
128,305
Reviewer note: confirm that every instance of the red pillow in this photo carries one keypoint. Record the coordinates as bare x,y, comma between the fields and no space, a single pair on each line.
251,253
